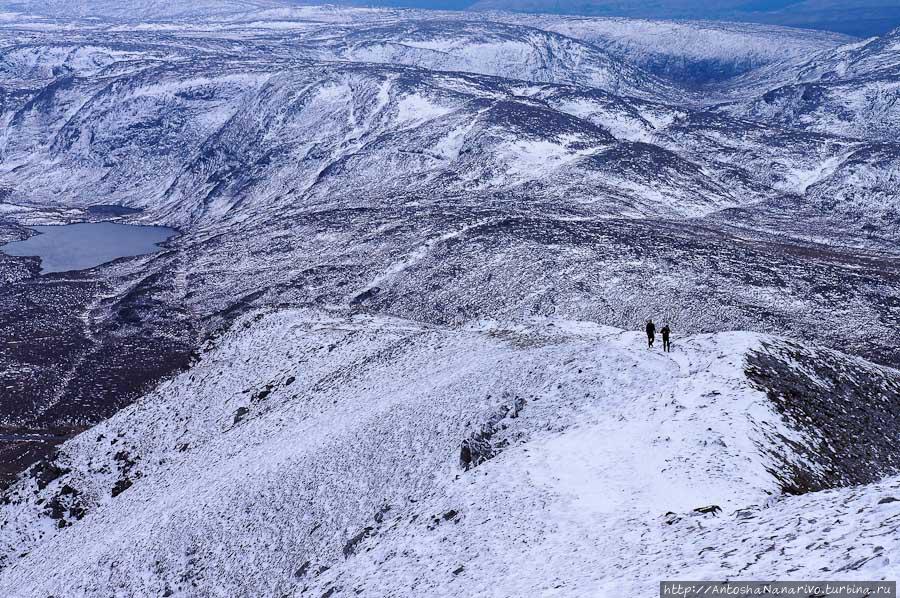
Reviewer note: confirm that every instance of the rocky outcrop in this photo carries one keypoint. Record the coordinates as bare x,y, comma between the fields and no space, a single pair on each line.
484,444
846,409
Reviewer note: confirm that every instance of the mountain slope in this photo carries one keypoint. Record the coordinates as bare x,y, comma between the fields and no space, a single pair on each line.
299,176
136,9
493,48
195,129
850,91
370,364
854,17
326,461
692,53
188,140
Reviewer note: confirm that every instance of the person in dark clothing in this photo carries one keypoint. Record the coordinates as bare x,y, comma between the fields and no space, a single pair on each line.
665,334
651,333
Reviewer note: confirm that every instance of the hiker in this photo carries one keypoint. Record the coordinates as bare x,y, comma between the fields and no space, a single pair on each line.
665,334
651,333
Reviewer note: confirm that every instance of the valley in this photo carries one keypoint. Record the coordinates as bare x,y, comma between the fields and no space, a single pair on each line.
404,235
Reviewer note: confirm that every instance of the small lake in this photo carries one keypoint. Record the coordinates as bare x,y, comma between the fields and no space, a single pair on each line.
85,245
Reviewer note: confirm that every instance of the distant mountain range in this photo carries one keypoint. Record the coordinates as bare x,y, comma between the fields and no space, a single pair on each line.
861,18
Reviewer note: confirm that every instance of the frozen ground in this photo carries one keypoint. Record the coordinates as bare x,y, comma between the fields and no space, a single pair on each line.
307,453
371,364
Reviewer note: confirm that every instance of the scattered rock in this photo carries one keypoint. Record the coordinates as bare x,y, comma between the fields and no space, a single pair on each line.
352,543
240,414
66,502
126,464
747,513
887,499
481,445
379,516
45,472
121,486
262,394
711,509
125,460
365,296
475,450
518,405
55,508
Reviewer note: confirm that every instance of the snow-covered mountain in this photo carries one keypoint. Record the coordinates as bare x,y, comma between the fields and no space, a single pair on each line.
390,351
188,128
137,10
491,48
545,456
849,91
855,17
690,52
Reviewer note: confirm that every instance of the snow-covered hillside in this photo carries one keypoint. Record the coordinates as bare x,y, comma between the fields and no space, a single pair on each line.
135,10
392,350
691,52
494,48
308,453
850,91
190,130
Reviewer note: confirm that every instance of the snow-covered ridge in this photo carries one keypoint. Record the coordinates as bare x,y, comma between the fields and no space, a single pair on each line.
307,452
203,131
193,142
494,48
851,90
137,9
450,168
692,52
203,119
